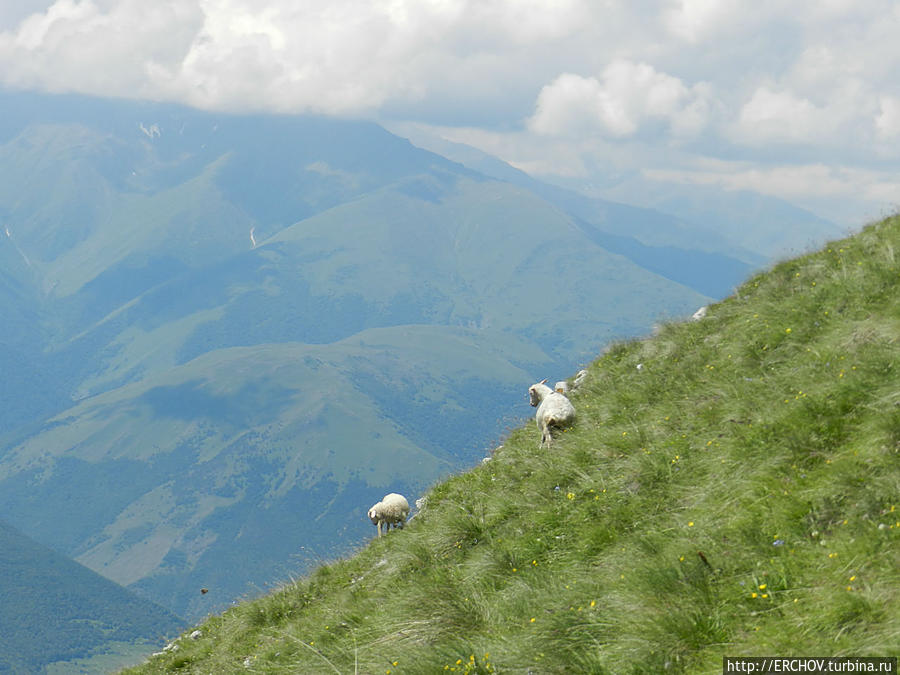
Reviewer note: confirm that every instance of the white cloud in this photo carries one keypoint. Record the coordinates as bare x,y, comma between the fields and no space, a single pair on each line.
694,20
888,121
80,46
781,116
330,56
625,96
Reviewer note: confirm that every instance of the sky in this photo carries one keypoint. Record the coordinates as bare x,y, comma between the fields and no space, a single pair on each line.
798,100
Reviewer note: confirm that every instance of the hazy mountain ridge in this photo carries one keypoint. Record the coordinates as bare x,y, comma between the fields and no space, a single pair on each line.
53,609
751,227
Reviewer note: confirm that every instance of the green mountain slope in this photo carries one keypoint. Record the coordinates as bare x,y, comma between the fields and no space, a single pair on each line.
224,335
731,488
54,610
426,250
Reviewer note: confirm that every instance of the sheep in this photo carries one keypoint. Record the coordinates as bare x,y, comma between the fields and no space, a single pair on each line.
562,387
553,410
580,377
393,509
700,313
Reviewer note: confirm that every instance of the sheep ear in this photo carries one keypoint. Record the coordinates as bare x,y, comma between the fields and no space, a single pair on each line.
544,381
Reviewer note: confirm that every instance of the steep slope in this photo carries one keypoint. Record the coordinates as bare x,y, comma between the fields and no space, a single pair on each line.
215,321
53,609
730,488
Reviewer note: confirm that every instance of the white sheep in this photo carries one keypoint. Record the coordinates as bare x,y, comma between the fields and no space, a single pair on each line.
553,410
393,509
580,377
562,387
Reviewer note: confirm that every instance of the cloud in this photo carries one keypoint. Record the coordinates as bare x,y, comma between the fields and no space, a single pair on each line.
84,47
626,96
694,20
782,116
333,57
888,120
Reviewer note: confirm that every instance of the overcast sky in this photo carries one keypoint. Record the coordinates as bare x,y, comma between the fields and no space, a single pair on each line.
797,99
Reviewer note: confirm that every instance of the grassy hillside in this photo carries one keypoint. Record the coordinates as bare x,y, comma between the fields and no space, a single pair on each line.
731,487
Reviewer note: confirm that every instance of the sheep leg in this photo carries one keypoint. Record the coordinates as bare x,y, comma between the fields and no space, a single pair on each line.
546,438
379,528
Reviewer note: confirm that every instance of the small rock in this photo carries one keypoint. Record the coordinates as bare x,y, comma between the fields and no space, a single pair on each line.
196,635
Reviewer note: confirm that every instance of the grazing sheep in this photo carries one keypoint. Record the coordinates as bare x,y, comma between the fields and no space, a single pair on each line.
553,410
580,377
393,509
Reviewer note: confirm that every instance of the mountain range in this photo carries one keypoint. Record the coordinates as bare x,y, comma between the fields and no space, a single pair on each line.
226,336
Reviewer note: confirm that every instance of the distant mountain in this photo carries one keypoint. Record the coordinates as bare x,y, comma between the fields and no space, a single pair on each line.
768,226
752,227
54,610
233,334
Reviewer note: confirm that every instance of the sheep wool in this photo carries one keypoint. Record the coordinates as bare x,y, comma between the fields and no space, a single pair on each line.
554,410
392,510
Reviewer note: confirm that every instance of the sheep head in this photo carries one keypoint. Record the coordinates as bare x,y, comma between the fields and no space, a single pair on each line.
537,392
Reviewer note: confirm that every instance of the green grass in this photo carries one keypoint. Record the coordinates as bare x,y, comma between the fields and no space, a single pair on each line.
737,495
